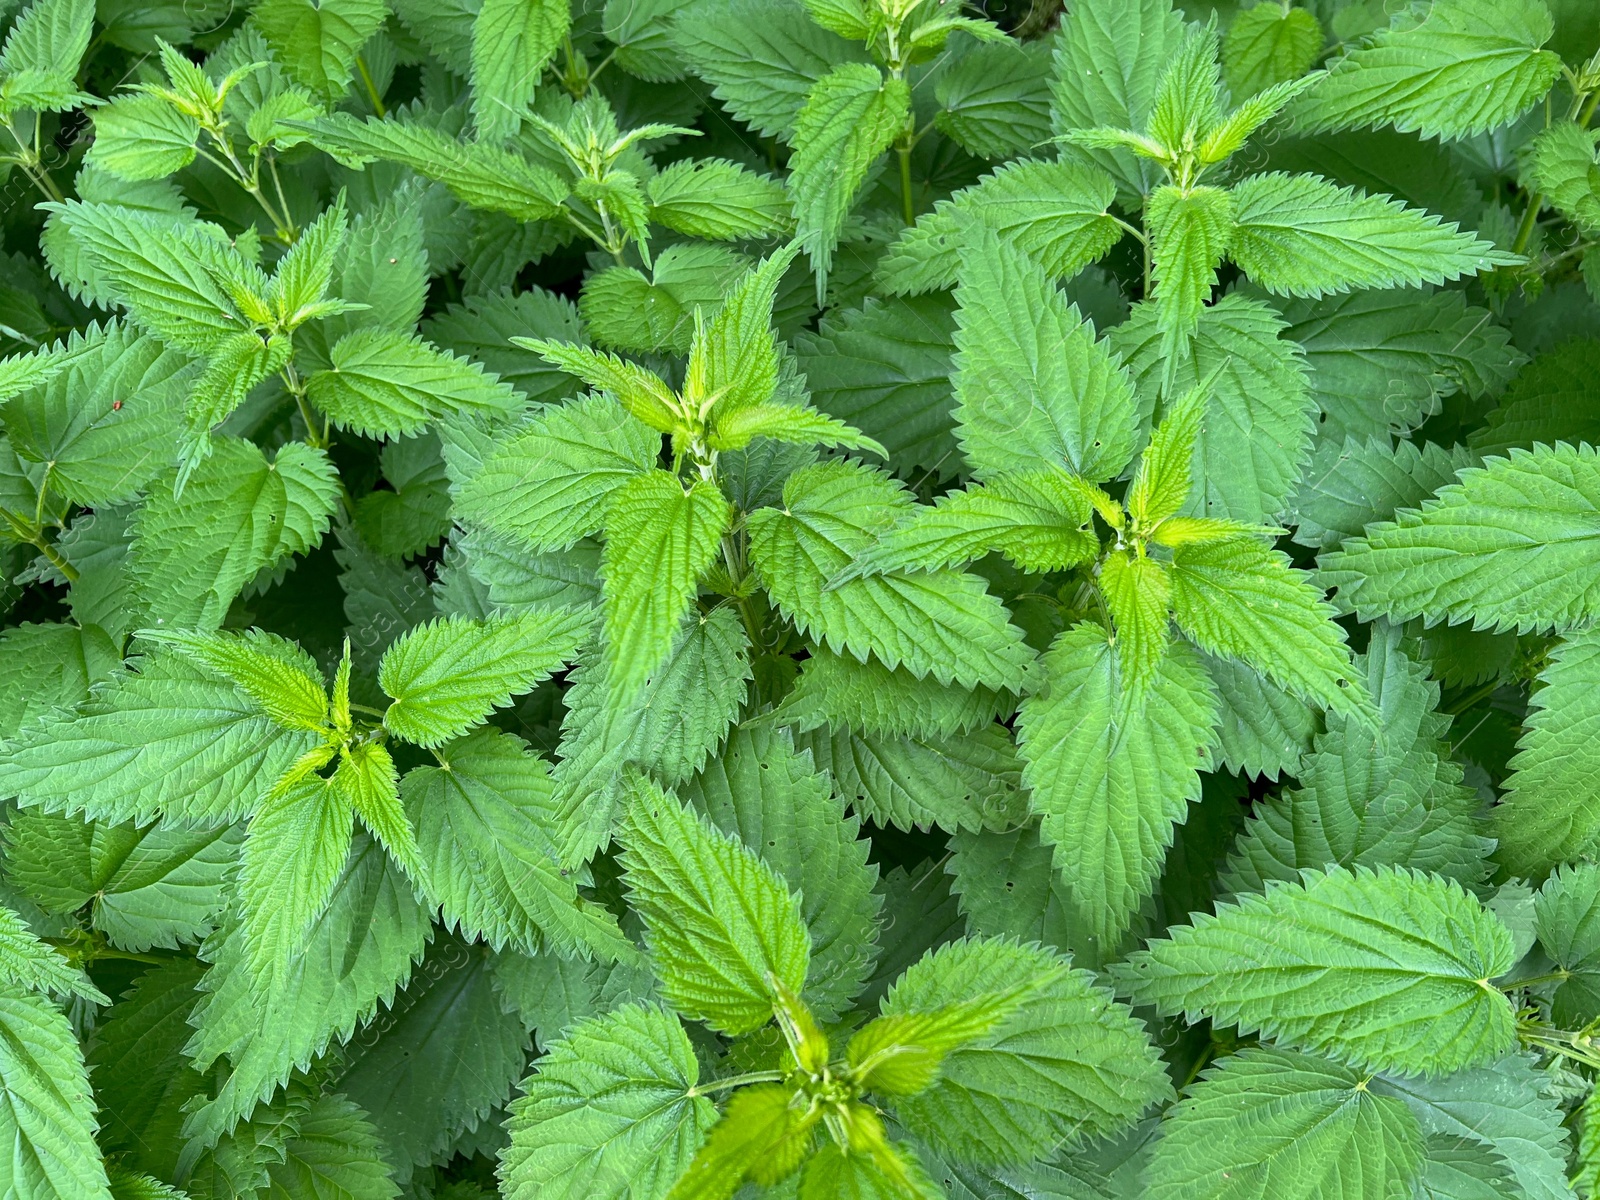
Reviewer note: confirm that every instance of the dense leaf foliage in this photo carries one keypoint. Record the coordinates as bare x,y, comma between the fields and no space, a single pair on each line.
824,599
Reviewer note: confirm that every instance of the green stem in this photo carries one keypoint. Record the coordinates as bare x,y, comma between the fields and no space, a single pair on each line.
907,209
1536,980
33,535
372,90
733,1081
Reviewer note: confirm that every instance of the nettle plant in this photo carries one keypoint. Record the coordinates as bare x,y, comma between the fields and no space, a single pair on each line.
799,598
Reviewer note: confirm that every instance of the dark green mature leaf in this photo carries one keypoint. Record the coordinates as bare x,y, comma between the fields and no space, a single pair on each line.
885,369
1544,817
486,829
257,1032
761,57
447,1055
1384,969
1509,546
1506,1108
1381,361
1446,69
1267,1122
1547,402
1373,792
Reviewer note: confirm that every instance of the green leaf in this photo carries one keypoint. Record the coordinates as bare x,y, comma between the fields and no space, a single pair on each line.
28,964
415,515
447,1056
1111,767
512,40
722,928
1566,911
1505,1108
51,36
668,727
1509,546
1373,793
367,777
1241,599
624,308
335,1152
1448,70
956,781
448,675
939,622
1056,213
553,482
165,274
717,199
1299,235
1034,389
1189,232
106,423
610,1113
390,383
839,692
1108,60
46,1108
1266,45
1547,402
51,667
143,137
660,538
1267,1122
995,100
1138,592
850,117
1067,1061
480,328
141,1077
761,58
1038,519
297,845
735,361
1409,993
485,823
167,739
318,40
1543,818
769,797
1559,164
1264,730
1352,485
145,887
760,1137
277,674
481,175
1408,348
352,958
238,515
885,369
